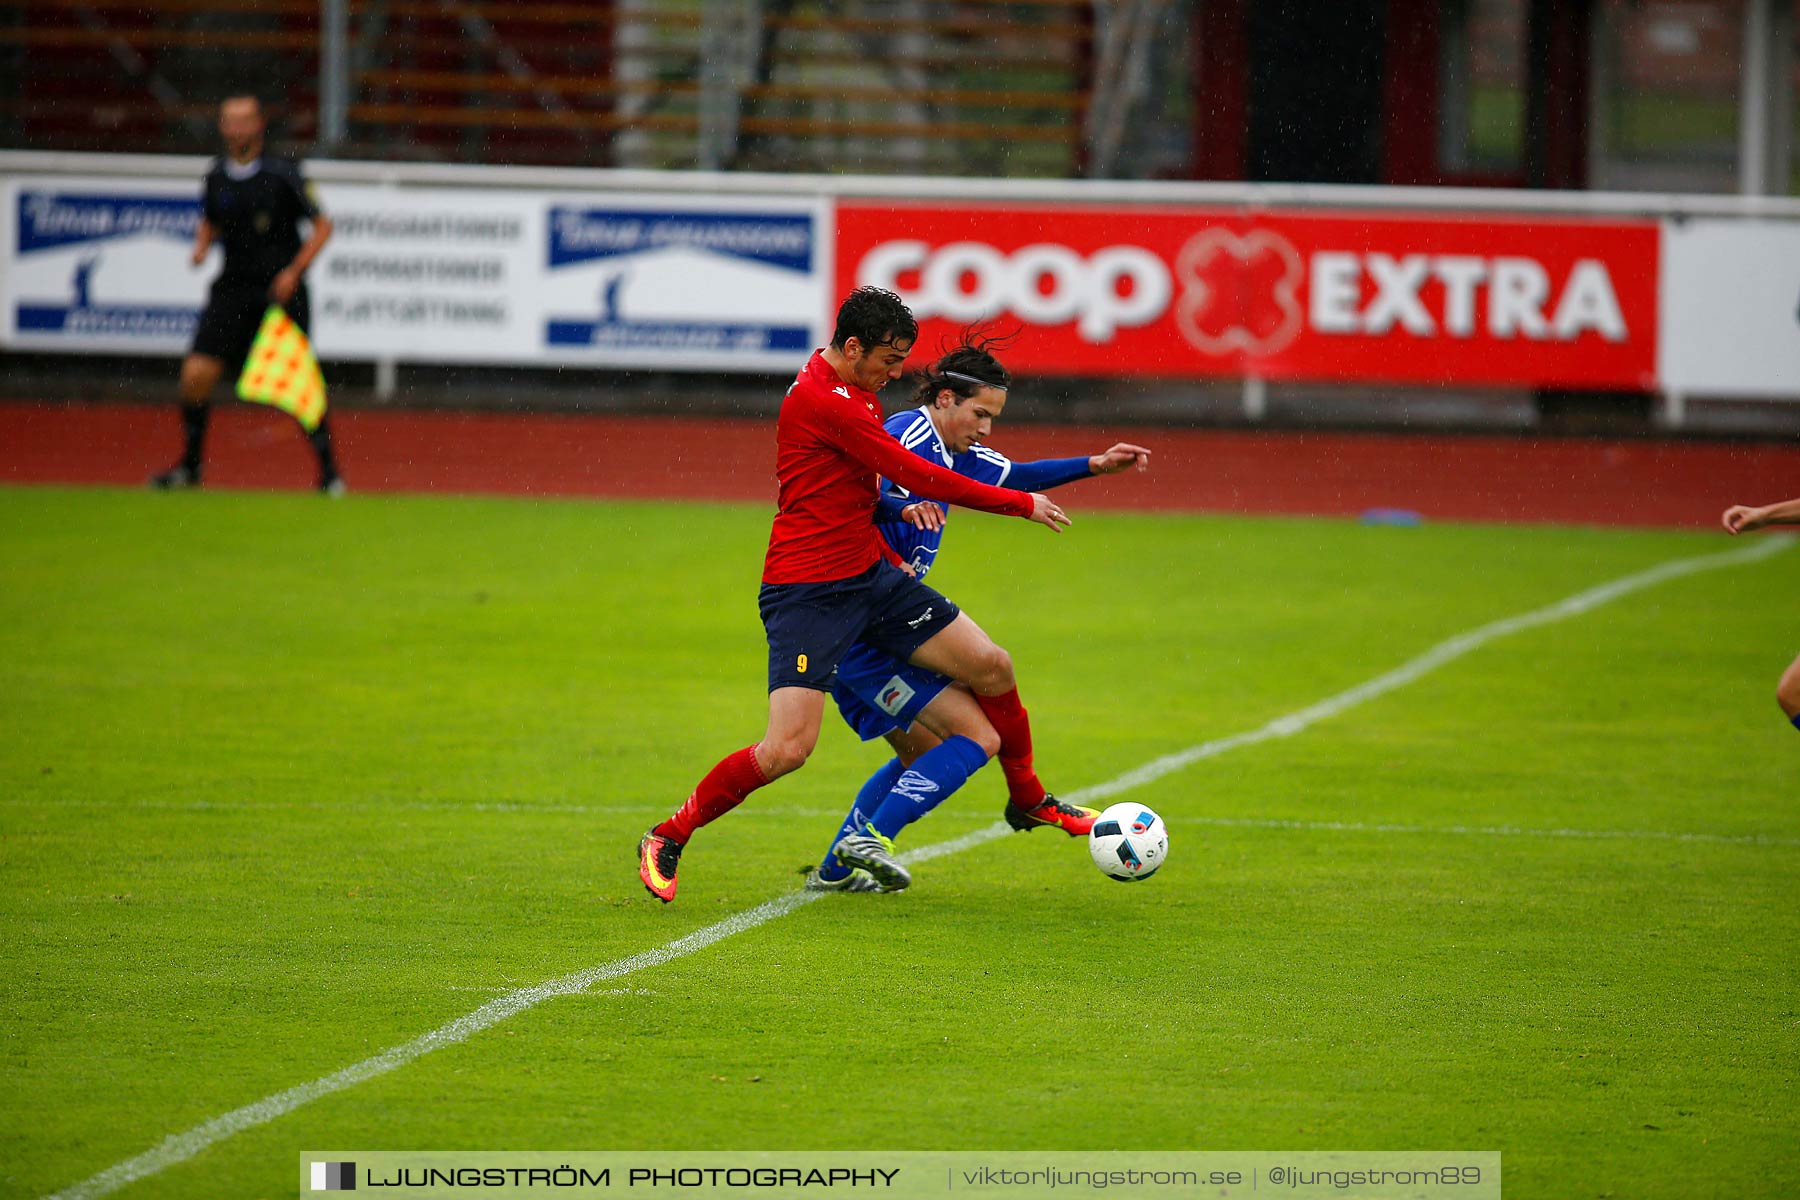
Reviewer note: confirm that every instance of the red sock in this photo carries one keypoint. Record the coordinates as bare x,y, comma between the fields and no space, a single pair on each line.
1009,719
723,789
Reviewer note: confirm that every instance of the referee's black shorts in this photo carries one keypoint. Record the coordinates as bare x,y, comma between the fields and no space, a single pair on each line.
234,313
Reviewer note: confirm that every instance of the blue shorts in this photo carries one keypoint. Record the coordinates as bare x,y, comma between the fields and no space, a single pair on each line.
810,626
877,693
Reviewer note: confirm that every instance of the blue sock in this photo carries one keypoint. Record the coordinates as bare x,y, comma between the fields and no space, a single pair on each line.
937,773
873,792
1797,722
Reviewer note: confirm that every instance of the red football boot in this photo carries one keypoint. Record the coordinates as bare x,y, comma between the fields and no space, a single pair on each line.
657,859
1072,819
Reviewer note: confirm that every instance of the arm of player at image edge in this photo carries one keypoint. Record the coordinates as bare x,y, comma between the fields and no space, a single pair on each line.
866,441
1742,518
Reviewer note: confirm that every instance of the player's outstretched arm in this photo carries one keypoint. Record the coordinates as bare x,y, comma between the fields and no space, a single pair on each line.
862,437
1046,473
1119,457
926,515
1743,518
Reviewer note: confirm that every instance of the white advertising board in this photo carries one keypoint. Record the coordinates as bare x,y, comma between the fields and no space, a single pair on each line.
704,283
700,282
461,264
426,276
1730,300
99,264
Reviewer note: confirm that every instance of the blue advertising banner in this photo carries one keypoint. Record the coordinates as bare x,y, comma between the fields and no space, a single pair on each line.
723,282
102,265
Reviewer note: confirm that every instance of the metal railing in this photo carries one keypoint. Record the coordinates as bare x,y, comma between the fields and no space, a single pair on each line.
1250,197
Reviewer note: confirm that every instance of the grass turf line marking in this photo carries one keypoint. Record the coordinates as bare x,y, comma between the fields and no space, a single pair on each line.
1656,835
438,806
180,1147
1437,656
1661,835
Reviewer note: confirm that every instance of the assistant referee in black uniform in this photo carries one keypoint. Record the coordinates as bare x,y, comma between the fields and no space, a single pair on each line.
254,206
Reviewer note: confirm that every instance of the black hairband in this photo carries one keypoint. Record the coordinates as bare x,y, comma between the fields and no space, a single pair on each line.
998,387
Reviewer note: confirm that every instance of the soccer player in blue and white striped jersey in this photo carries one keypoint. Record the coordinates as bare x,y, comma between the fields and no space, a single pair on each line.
939,734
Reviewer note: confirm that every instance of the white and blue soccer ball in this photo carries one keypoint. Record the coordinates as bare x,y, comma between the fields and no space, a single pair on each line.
1129,842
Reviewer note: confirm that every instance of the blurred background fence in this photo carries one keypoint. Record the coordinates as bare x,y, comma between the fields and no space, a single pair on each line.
1505,112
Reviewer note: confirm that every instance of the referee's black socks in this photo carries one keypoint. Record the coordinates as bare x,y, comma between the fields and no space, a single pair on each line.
193,427
321,444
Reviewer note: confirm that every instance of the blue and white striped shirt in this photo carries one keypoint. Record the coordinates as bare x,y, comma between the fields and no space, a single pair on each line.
914,430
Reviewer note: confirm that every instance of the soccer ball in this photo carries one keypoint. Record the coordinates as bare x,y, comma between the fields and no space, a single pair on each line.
1128,842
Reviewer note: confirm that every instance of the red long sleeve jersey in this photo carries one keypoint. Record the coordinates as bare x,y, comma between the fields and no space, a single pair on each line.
830,446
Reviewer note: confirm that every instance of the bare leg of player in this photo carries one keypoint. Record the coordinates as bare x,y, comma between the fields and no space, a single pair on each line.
795,714
953,712
963,652
909,744
1787,692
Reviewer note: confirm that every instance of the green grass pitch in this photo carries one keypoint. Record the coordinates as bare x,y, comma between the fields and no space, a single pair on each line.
289,782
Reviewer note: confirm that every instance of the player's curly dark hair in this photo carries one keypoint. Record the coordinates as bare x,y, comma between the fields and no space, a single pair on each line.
875,317
970,356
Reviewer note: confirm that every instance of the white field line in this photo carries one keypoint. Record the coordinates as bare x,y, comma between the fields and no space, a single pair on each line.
433,806
1649,835
1437,656
182,1146
179,1147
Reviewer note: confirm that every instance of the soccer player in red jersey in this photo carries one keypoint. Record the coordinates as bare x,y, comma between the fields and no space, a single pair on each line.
939,736
829,579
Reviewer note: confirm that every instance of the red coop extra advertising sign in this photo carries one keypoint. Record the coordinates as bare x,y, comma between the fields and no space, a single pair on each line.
1175,292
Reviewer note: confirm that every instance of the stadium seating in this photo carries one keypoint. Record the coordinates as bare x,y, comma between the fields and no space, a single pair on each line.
941,86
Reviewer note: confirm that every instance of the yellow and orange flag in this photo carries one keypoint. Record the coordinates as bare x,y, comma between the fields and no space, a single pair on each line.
282,371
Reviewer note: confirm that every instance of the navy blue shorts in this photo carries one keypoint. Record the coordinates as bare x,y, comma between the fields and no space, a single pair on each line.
878,694
810,626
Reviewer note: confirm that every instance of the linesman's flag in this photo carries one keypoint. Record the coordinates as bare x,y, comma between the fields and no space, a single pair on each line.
282,371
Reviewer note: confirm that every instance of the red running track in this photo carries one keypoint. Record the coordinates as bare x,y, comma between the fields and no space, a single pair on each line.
1443,477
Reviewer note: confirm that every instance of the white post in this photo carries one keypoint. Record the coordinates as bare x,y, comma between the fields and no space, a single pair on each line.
1781,98
633,38
909,49
1256,398
387,378
1674,410
334,73
1756,98
1602,54
716,93
729,33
